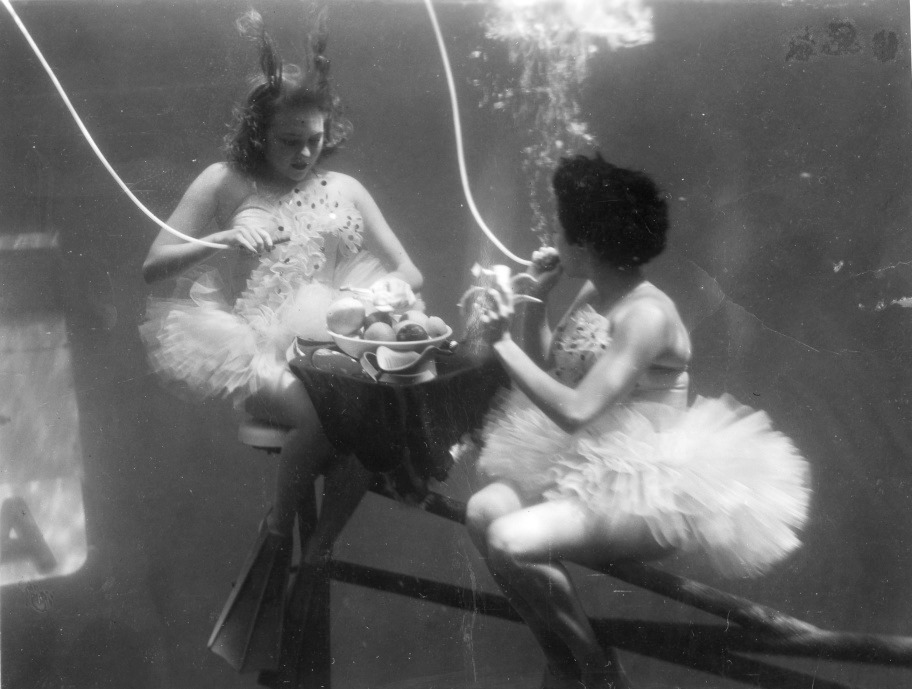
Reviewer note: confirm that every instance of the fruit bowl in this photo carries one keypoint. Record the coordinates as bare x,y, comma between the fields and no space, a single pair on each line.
356,347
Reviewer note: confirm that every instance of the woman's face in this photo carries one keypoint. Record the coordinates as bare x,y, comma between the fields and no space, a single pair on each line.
574,258
294,141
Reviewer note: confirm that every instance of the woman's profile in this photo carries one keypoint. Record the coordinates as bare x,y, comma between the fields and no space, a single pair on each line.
594,456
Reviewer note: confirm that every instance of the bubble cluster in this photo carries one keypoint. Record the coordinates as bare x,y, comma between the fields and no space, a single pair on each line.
549,45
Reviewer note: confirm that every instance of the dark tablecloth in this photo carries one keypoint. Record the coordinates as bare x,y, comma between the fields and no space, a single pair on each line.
403,431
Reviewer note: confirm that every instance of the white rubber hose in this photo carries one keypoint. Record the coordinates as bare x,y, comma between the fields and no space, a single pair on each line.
457,127
91,141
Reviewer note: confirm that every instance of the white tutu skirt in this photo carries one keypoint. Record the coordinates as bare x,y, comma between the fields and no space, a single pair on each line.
714,477
208,347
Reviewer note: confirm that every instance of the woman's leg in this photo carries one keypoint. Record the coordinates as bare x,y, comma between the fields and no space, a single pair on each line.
525,547
306,454
344,485
305,451
485,507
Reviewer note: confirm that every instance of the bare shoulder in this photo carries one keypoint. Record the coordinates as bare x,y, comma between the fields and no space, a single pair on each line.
225,186
230,180
219,175
651,315
648,308
339,179
346,185
220,180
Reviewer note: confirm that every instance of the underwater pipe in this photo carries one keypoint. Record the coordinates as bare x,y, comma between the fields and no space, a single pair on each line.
460,153
91,141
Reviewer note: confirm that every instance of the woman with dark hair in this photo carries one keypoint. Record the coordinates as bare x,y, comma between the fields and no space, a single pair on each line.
594,456
307,232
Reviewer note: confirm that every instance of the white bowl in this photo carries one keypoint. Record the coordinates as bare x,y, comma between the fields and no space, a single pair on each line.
355,347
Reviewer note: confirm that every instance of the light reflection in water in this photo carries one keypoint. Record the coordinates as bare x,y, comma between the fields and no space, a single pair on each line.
550,45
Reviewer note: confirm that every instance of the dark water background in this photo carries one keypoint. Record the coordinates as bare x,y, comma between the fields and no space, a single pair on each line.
782,134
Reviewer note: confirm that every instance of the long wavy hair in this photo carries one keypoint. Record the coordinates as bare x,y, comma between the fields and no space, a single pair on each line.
280,86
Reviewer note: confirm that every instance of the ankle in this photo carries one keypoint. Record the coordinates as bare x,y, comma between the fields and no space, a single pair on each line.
276,525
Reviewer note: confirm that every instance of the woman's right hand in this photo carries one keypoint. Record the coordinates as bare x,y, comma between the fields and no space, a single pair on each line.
542,276
250,236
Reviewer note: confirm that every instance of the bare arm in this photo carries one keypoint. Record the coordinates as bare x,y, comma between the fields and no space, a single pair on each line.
533,332
531,323
381,240
196,215
641,334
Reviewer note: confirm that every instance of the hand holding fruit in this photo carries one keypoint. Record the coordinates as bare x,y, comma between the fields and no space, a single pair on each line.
492,302
545,259
542,275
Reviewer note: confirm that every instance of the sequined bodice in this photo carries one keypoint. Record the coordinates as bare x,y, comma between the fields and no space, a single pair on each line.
320,224
583,337
577,343
323,229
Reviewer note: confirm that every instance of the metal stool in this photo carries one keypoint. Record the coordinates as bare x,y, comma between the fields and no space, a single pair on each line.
262,435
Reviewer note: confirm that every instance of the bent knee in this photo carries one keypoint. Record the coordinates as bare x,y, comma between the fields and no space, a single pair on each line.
478,516
508,543
488,505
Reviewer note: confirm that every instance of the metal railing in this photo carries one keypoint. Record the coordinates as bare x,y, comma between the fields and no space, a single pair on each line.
750,629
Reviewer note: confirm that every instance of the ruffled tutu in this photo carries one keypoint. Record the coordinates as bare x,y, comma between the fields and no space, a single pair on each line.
206,351
210,348
213,344
714,477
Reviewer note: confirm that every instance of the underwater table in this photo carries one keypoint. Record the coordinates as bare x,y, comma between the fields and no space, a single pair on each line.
402,432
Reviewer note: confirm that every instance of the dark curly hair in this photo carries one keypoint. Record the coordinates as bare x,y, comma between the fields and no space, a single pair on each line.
281,86
619,214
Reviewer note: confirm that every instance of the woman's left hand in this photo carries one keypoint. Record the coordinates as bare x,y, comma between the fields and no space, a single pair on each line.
492,305
542,275
496,314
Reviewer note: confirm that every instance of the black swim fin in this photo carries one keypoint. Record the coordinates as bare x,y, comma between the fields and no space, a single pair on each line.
248,633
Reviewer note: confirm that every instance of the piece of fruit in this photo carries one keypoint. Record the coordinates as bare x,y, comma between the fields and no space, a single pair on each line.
407,331
401,323
418,317
436,327
344,316
379,332
377,317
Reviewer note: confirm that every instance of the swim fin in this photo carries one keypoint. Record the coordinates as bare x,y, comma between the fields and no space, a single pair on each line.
248,633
